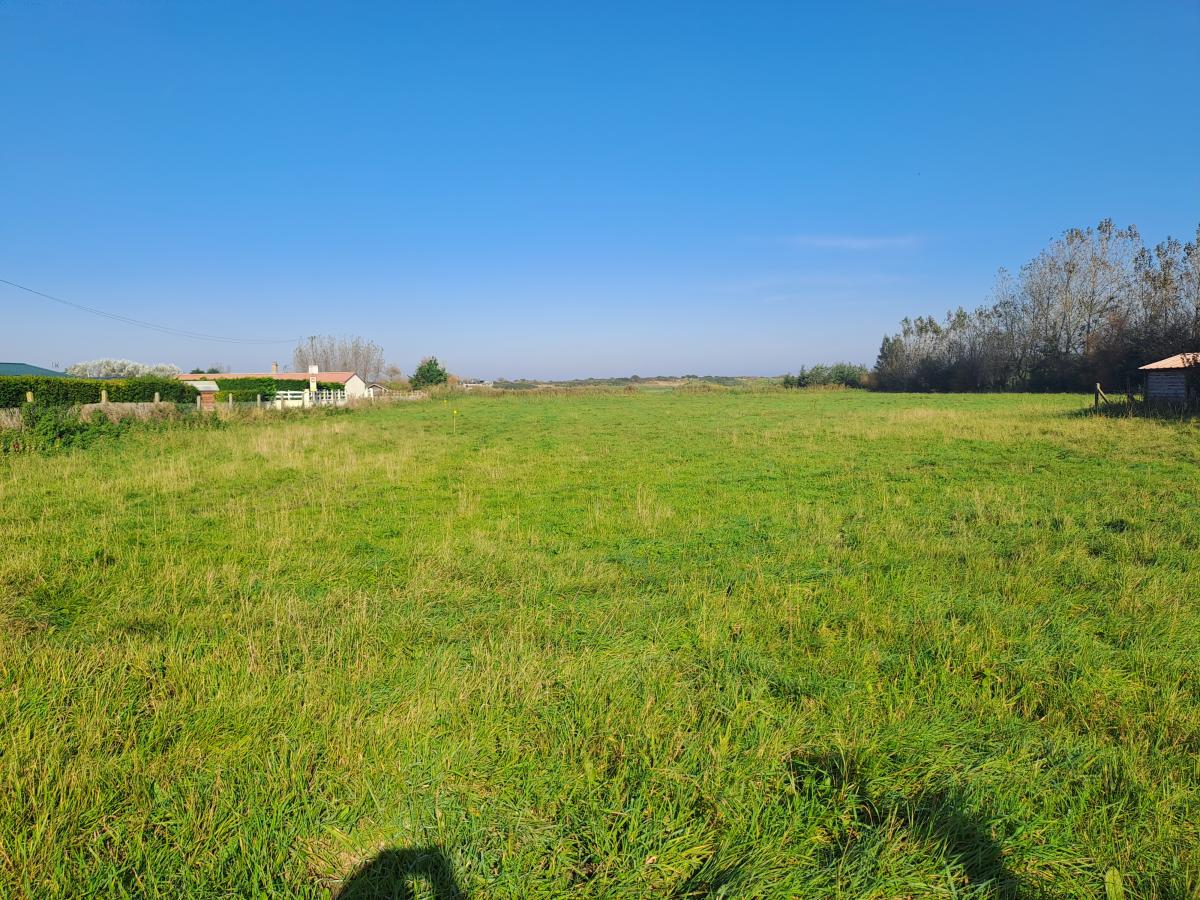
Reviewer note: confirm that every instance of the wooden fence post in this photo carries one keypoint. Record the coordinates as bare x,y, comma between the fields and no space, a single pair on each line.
231,399
198,403
258,400
29,396
1097,395
157,398
104,395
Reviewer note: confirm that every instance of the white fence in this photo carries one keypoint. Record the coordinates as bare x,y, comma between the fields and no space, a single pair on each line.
292,399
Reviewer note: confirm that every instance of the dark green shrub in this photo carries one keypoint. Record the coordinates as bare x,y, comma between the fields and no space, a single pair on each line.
69,391
51,391
429,373
249,388
245,390
143,389
839,374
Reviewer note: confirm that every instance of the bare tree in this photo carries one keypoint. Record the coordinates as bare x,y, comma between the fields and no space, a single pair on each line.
1091,307
340,354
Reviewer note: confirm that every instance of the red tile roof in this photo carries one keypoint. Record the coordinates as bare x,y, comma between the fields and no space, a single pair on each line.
328,377
1178,361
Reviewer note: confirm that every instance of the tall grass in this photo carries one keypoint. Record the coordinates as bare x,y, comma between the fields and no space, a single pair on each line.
658,644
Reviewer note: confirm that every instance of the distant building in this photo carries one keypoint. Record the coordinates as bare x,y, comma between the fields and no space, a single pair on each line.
1173,380
351,382
13,368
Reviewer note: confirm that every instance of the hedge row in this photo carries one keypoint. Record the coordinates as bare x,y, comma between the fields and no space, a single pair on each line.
68,391
245,390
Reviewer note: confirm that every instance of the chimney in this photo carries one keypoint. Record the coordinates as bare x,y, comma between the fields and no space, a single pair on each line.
275,368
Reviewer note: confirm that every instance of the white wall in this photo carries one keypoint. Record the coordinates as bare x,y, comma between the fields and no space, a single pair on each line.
356,387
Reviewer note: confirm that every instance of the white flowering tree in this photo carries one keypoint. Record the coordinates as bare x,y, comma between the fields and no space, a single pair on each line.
120,368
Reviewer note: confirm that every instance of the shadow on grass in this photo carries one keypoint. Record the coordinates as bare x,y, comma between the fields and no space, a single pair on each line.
392,873
939,816
709,882
1162,412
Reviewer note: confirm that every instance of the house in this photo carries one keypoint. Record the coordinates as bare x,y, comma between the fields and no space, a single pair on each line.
1174,379
351,382
15,368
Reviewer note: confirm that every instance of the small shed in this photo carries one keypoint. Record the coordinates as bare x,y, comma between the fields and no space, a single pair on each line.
1174,379
208,393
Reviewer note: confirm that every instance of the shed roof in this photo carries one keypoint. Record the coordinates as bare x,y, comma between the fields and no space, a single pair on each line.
327,377
1178,361
205,387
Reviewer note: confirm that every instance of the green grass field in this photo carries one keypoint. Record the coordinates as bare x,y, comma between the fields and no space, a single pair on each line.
724,644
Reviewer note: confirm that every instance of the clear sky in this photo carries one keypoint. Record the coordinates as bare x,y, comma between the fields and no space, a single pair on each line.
566,189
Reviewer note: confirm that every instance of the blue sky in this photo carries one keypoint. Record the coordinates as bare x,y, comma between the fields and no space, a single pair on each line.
567,190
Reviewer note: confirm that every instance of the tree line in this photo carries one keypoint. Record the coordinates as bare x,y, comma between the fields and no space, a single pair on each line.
1092,307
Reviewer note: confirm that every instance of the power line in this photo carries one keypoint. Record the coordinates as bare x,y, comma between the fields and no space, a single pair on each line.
165,329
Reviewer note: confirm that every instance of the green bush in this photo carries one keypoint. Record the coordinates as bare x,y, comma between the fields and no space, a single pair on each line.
50,427
843,374
70,391
143,389
249,388
429,373
51,391
245,390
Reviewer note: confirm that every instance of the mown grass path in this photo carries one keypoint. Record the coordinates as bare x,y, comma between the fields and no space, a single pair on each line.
714,644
